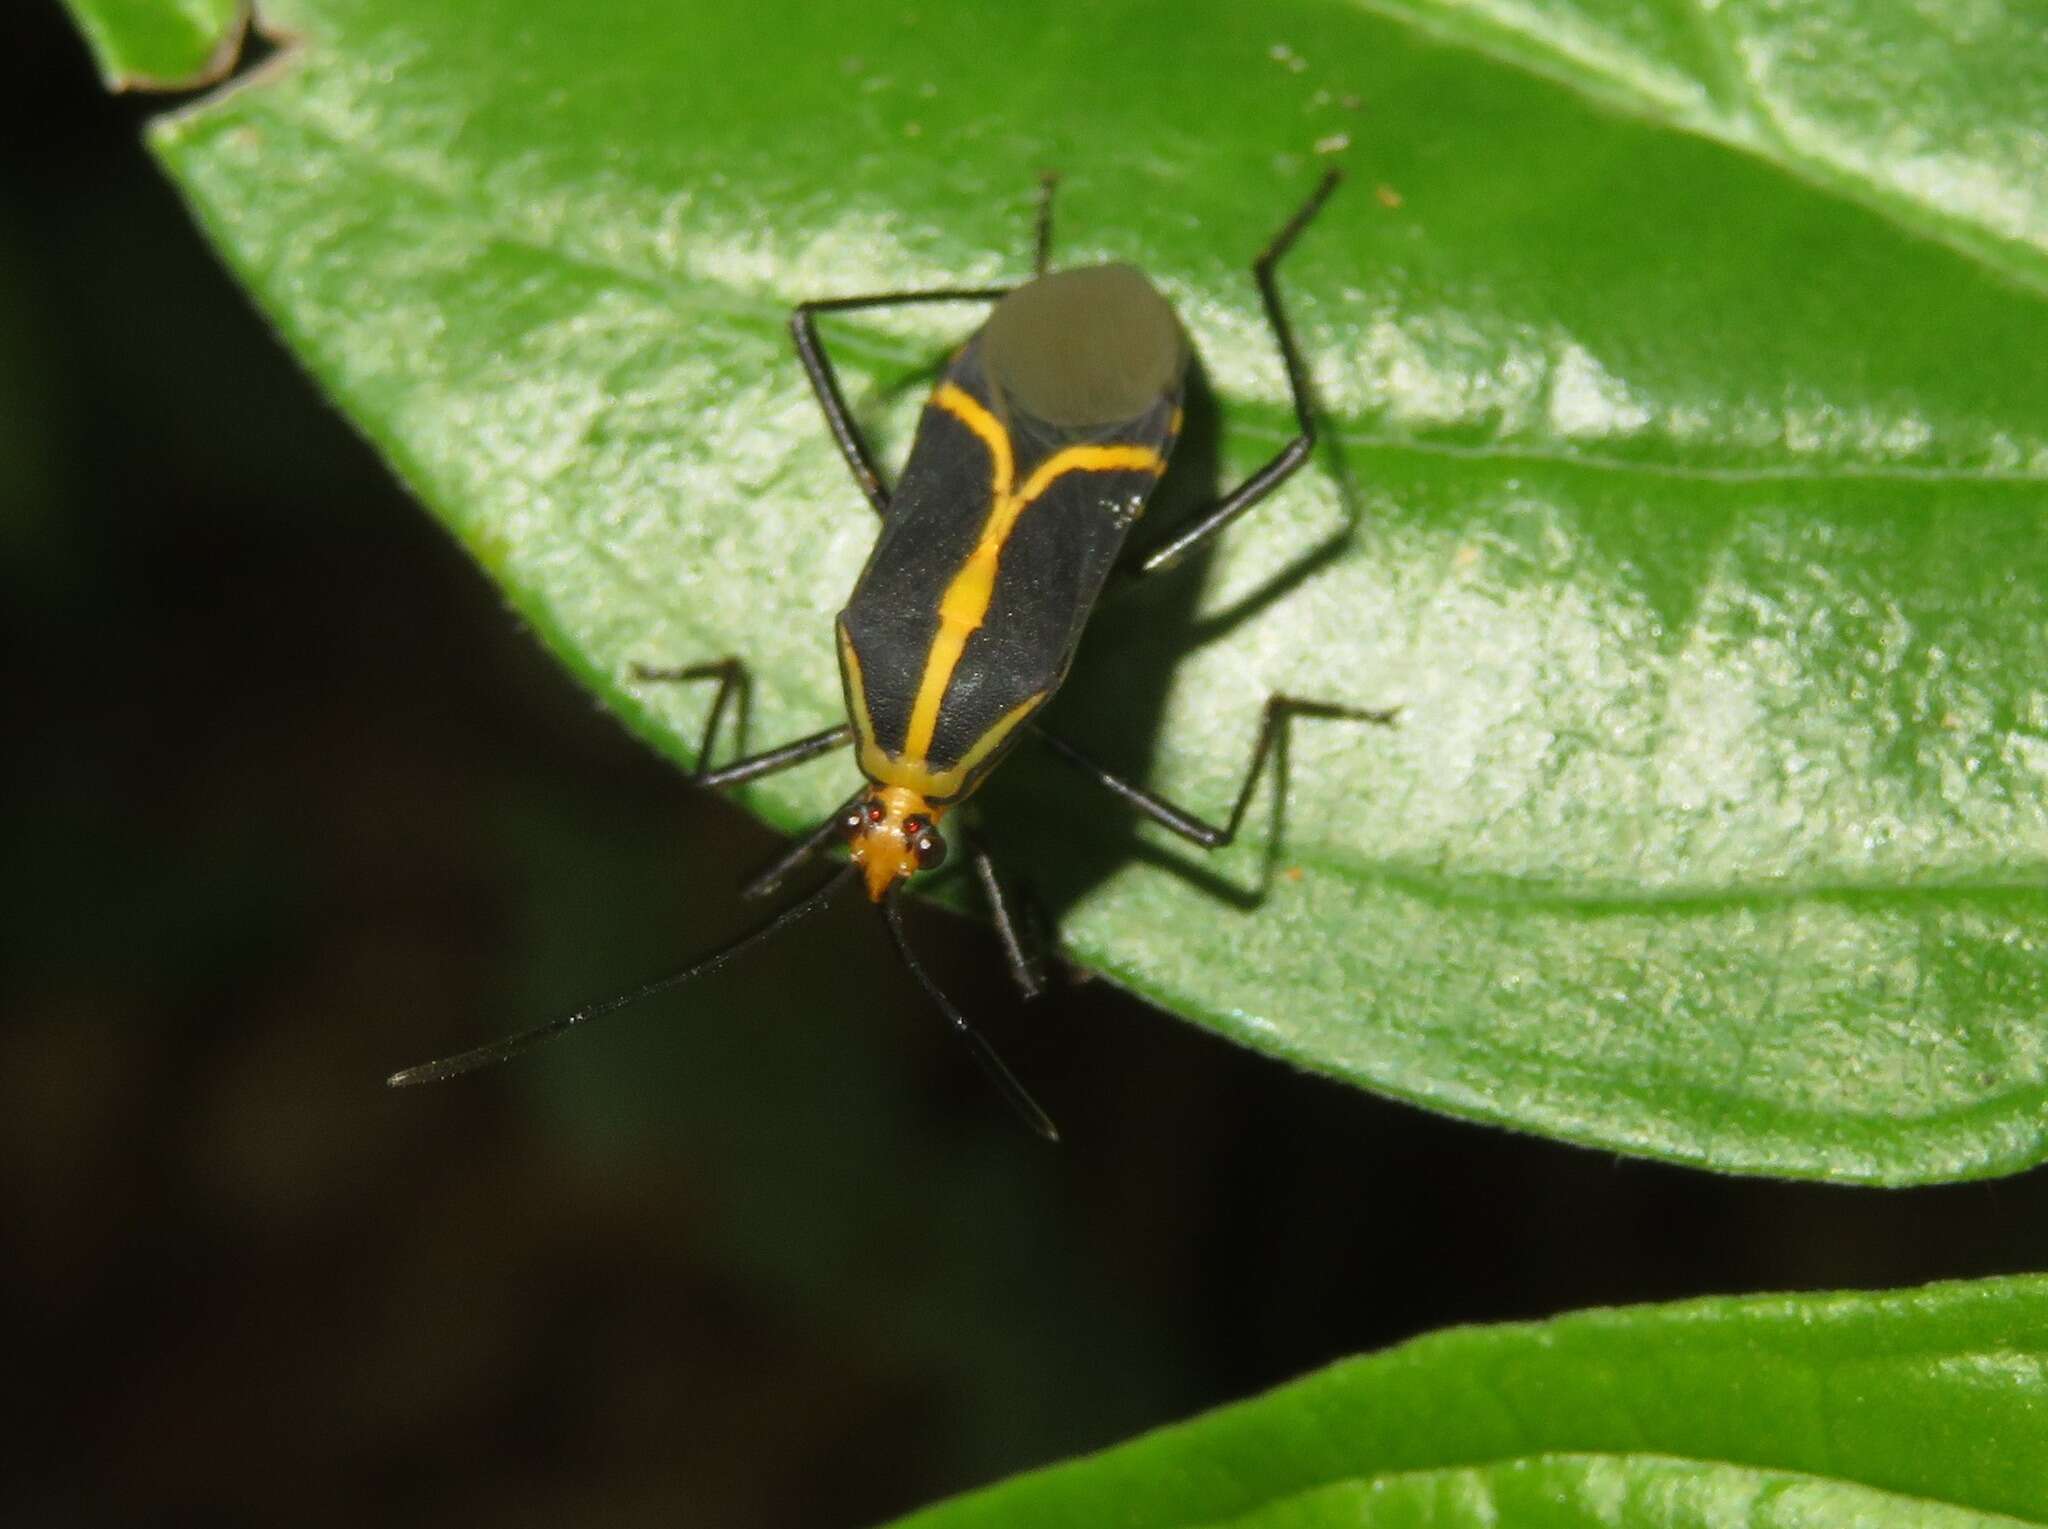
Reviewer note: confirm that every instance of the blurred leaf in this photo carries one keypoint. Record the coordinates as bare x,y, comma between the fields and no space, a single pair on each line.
1917,1409
161,44
1687,500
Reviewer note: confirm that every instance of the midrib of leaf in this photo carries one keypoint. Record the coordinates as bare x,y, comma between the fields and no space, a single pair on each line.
1731,112
1515,893
1679,472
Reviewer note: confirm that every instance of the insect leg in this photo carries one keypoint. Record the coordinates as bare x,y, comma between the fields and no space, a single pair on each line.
1006,1083
1041,257
1280,709
732,690
732,684
732,681
1296,451
1022,947
825,382
768,761
793,858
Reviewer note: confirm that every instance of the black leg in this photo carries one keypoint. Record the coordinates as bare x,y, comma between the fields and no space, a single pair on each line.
825,382
1296,451
732,682
1041,251
984,1054
1279,709
732,690
740,771
793,858
1014,926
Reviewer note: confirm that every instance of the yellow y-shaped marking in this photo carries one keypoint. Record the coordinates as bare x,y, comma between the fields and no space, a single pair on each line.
966,408
965,604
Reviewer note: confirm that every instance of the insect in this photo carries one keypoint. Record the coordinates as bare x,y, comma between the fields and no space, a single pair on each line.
1035,454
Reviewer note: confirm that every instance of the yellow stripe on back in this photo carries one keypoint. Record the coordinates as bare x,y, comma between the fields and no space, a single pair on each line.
964,606
941,786
968,409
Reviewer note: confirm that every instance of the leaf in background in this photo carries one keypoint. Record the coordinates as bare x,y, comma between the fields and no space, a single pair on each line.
1688,499
1918,1409
1606,1492
162,44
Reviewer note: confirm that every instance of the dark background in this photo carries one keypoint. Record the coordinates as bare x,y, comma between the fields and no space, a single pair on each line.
291,800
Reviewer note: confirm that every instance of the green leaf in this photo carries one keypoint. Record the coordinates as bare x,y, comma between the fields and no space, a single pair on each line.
1921,1409
1684,494
1929,113
1605,1492
162,44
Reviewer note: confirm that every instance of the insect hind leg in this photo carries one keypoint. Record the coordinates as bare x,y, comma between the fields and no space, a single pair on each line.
1041,239
1284,462
1279,711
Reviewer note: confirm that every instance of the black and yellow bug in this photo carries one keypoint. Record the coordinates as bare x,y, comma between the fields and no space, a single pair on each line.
1036,453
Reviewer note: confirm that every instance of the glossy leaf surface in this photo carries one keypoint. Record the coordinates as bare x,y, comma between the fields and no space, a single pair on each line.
1682,486
1920,1409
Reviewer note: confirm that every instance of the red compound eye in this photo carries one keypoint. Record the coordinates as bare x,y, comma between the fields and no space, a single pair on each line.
875,814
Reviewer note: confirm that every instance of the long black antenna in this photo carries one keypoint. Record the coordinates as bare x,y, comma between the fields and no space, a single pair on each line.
494,1052
1004,1080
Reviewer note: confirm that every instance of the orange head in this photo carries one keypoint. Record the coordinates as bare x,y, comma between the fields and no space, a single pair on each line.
893,833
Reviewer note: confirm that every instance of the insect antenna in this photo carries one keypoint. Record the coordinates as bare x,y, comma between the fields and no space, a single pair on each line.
1005,1081
494,1052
